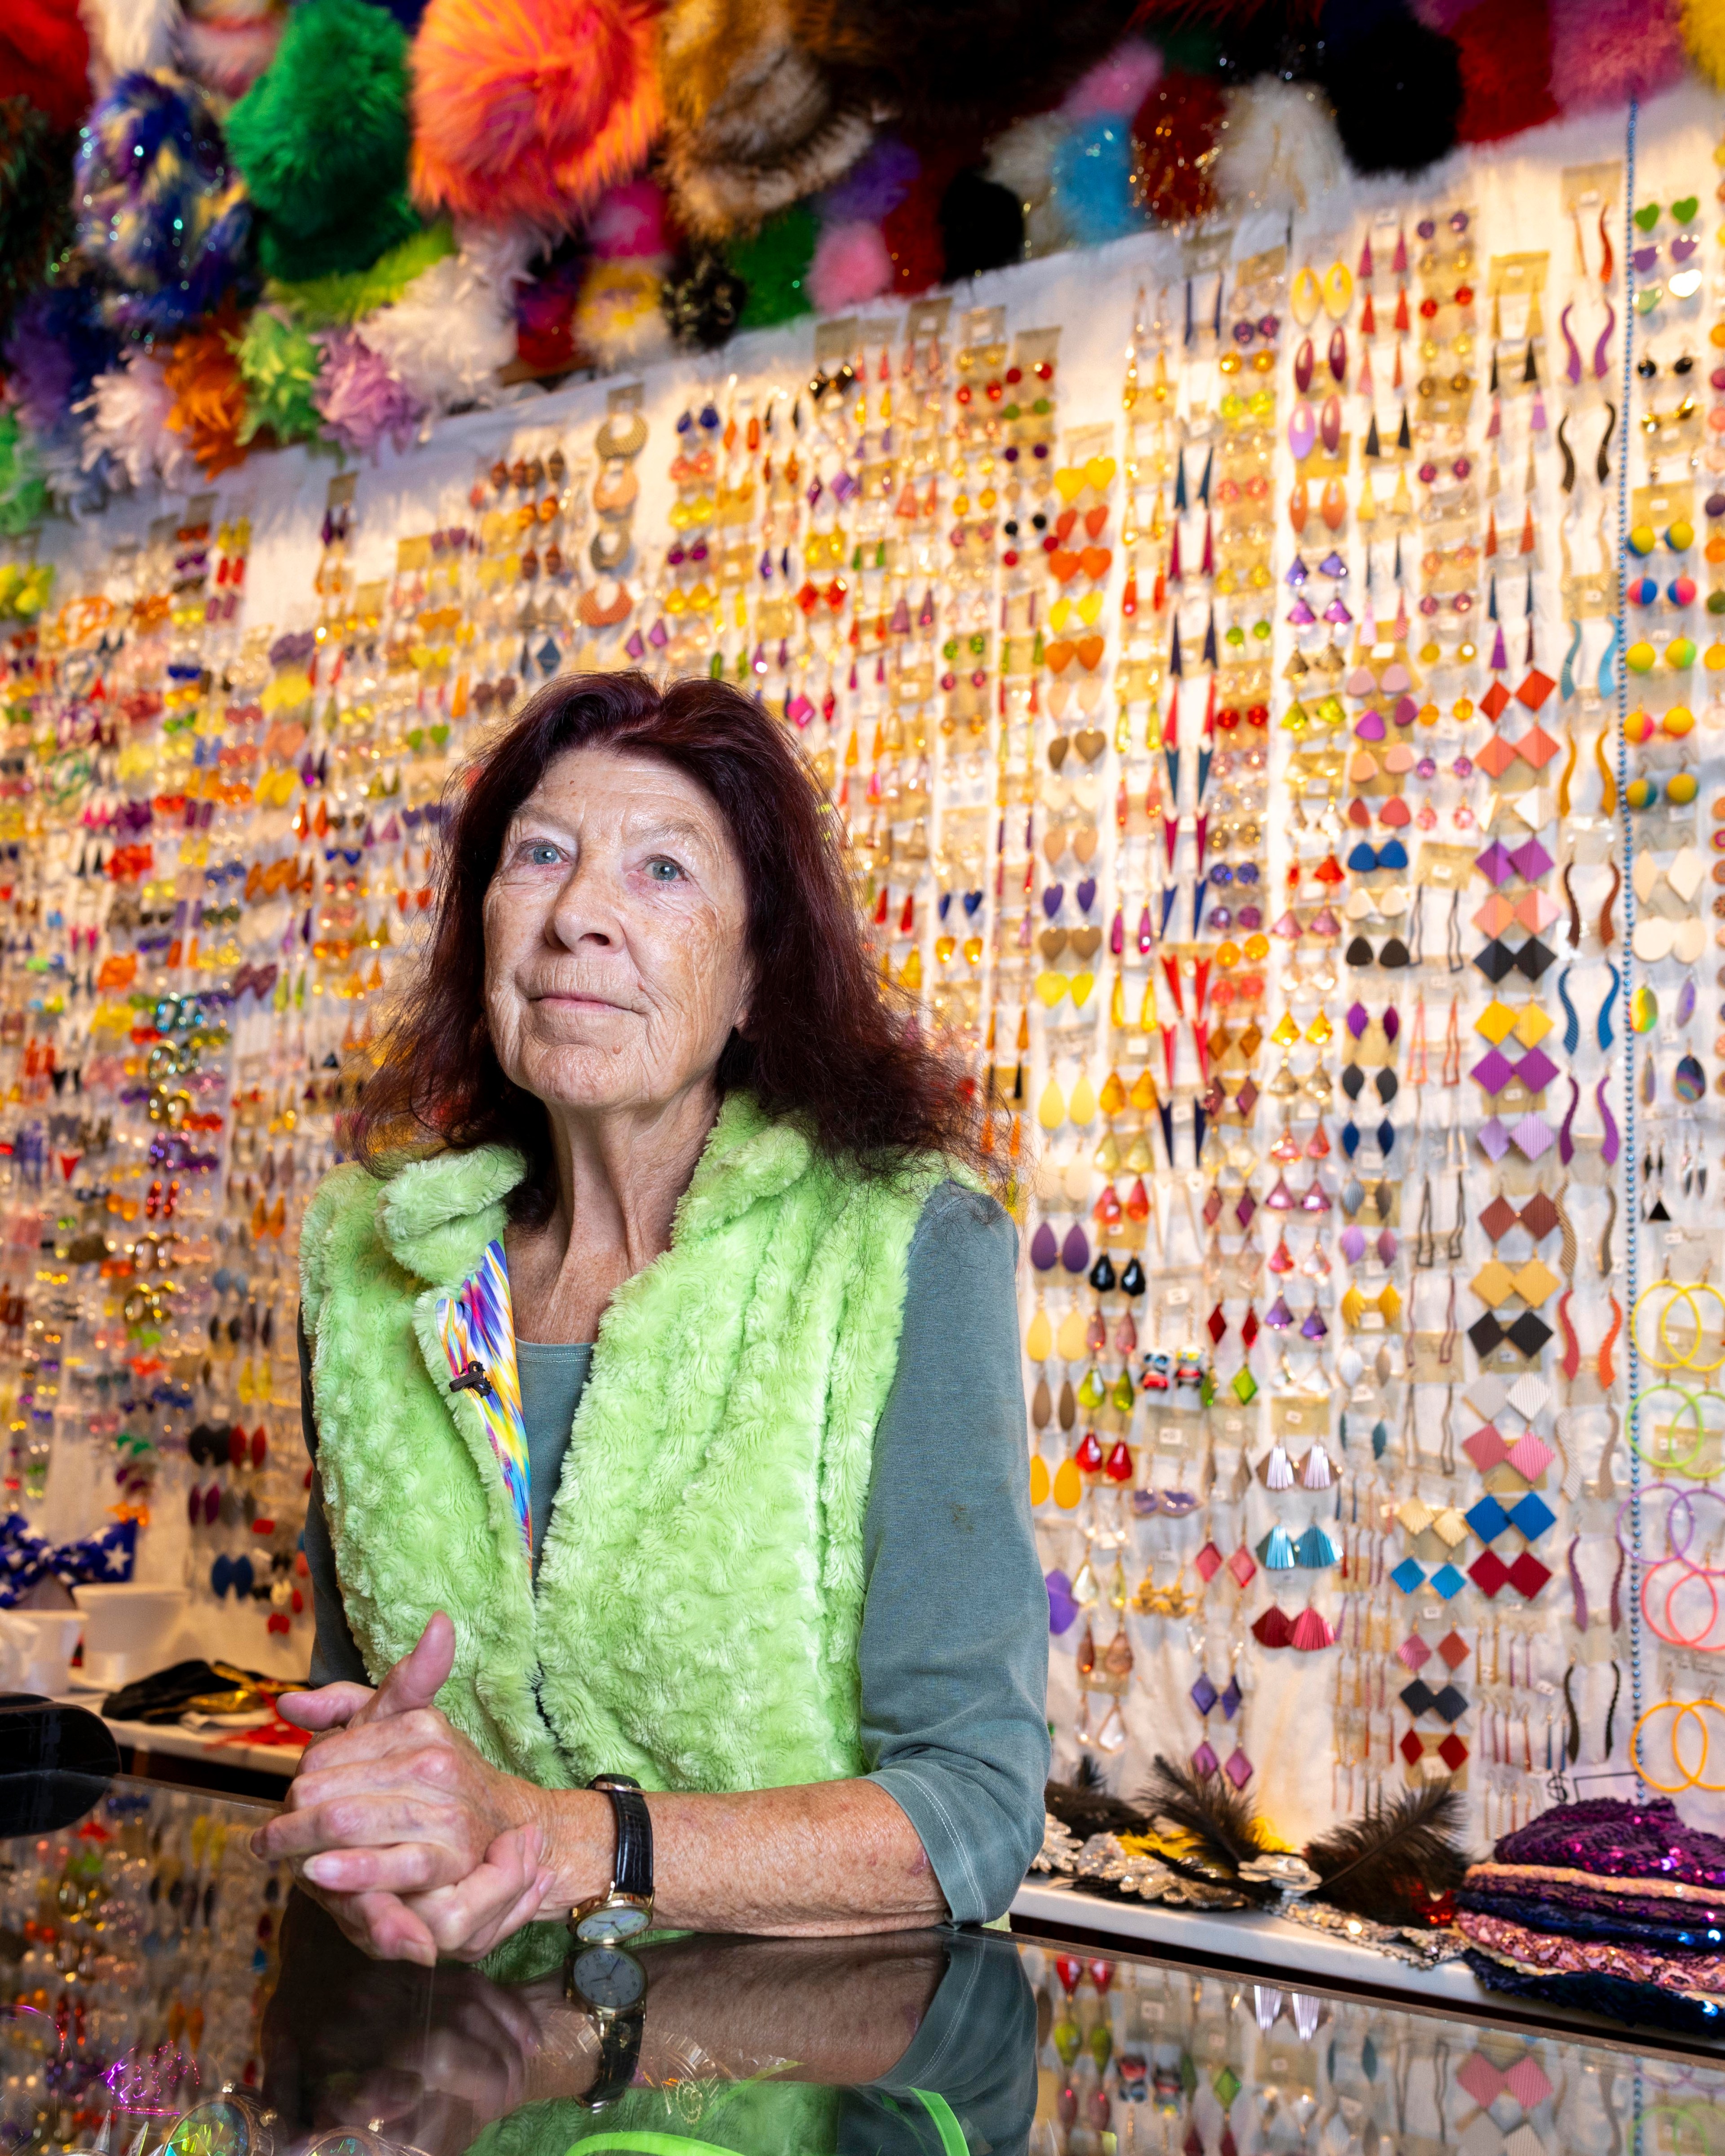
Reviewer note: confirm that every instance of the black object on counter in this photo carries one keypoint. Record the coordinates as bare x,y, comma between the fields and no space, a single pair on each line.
55,1762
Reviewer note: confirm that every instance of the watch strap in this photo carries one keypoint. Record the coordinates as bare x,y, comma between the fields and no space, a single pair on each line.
632,1865
619,2054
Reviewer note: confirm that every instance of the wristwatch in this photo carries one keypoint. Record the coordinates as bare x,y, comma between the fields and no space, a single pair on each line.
611,1985
625,1908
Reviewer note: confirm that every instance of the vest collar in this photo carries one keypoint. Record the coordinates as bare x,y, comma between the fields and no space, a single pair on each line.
437,1216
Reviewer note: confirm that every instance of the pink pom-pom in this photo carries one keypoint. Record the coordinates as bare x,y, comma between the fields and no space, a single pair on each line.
850,264
1604,52
629,223
1120,82
1442,15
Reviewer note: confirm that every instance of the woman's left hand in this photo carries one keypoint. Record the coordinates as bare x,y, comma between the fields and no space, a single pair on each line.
416,1845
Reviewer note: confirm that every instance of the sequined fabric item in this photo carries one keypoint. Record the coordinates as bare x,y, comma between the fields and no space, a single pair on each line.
1619,1839
1527,1949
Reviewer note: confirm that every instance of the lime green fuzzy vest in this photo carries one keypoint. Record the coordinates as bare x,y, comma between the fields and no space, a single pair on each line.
700,1594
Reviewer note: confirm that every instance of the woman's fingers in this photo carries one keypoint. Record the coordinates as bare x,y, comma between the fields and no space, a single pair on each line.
383,1925
421,1674
403,1867
467,1918
330,1707
374,1820
520,1913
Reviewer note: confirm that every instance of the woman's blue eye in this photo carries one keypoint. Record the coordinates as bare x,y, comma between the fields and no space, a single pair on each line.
664,871
543,855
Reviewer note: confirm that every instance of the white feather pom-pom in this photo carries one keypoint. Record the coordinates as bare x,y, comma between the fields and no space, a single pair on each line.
127,35
1022,160
1277,148
454,326
125,418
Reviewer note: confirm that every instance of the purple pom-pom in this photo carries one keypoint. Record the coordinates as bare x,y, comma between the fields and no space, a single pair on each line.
162,216
363,400
877,183
57,347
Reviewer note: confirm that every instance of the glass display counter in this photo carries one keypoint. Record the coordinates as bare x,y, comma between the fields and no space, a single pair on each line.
162,1990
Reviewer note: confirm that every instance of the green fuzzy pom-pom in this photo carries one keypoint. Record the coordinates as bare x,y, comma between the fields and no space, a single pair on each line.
336,302
279,364
322,137
24,497
773,265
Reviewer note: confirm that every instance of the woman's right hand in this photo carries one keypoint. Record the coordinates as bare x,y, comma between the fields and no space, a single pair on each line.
463,1918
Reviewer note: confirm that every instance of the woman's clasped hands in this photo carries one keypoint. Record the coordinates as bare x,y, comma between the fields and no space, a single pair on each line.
416,1845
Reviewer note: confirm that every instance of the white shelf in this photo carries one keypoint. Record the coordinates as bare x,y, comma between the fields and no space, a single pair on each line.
168,1740
1287,1954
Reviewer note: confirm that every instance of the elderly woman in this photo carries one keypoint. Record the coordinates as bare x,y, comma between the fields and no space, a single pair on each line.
662,1378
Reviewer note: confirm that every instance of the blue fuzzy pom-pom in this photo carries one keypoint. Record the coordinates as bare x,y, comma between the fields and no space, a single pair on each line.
1092,174
162,217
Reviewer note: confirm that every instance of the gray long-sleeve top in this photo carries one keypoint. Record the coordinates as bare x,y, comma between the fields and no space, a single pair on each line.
954,1648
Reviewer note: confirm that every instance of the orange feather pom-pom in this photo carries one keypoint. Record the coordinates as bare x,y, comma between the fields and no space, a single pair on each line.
203,375
531,108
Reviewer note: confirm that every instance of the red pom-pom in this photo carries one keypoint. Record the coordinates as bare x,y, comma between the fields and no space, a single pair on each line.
1506,68
44,55
1175,132
911,228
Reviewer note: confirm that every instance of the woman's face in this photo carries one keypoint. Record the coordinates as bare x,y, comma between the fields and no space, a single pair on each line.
615,958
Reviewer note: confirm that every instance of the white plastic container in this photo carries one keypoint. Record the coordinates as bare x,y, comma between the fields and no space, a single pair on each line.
128,1631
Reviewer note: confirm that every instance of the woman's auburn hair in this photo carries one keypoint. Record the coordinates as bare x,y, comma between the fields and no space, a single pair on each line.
830,1044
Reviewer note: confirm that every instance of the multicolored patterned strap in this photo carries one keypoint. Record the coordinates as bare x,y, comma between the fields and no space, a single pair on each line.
477,1325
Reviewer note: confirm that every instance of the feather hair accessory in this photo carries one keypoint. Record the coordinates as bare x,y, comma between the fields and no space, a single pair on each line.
57,346
226,47
1396,88
531,108
279,363
1391,1864
324,303
1218,1821
1022,160
753,123
35,199
773,265
162,219
125,35
619,317
1092,180
851,266
448,333
363,403
1086,1806
702,298
1604,51
44,55
962,70
322,138
127,422
209,406
1276,148
24,496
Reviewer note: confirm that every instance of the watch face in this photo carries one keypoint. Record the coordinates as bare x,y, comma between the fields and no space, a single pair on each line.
609,1980
616,1920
